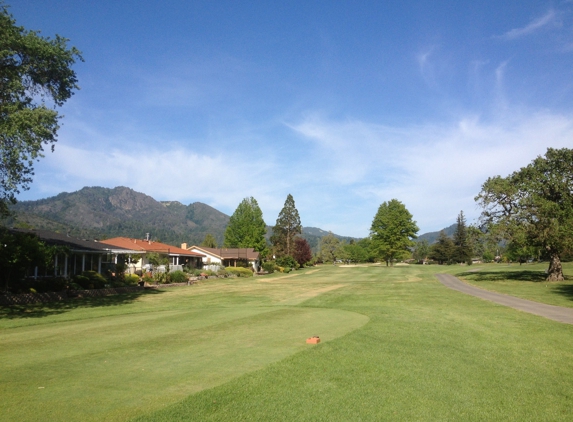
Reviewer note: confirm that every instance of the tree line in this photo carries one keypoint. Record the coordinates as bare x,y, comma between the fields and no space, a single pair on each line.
528,214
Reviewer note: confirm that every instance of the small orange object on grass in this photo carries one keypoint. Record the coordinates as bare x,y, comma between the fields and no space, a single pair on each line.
313,340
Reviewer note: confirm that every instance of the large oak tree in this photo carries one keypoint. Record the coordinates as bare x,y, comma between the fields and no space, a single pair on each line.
35,78
534,205
392,231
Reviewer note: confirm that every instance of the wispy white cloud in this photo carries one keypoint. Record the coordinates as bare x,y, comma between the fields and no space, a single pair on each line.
348,169
221,180
549,18
426,65
436,170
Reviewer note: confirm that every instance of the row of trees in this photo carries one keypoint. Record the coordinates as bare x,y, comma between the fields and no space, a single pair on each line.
247,229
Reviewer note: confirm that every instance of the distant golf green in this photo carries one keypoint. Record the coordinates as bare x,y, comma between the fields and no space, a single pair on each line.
396,345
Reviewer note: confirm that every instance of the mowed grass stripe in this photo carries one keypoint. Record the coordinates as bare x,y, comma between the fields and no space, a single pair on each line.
427,353
105,369
400,346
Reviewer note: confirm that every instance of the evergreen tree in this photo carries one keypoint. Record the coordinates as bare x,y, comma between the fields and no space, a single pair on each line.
443,250
462,250
209,241
392,230
286,228
246,227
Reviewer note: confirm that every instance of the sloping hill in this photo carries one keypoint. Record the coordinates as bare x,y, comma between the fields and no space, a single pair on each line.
102,212
99,213
431,237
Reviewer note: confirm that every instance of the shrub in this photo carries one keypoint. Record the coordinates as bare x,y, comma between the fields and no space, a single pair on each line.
269,266
178,277
287,262
82,281
240,272
97,281
131,279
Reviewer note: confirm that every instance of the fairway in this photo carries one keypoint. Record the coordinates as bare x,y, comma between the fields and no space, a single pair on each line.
396,344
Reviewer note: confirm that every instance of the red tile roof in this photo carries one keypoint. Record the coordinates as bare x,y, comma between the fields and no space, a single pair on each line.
149,246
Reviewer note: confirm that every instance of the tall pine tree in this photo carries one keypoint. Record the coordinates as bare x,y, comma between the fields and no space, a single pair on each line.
286,228
462,249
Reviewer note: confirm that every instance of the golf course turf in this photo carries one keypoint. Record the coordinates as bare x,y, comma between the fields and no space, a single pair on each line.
395,345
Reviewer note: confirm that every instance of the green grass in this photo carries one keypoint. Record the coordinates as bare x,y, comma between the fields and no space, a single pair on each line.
397,345
525,281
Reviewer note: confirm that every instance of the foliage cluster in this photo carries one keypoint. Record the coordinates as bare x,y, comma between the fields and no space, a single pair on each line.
33,71
246,227
533,207
269,266
239,271
392,231
286,228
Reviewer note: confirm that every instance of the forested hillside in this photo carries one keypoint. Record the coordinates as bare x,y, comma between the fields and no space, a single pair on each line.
99,213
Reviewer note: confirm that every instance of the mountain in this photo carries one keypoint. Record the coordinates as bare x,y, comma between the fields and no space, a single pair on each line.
431,237
100,213
314,234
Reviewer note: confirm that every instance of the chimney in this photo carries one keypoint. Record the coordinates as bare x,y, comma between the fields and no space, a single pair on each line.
147,237
184,246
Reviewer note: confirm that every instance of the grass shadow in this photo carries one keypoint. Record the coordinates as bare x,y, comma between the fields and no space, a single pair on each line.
564,290
521,275
41,310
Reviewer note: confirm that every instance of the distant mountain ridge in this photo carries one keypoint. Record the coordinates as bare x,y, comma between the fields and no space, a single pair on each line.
432,237
99,213
102,213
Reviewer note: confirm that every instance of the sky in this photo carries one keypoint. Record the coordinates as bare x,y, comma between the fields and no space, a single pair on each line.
343,104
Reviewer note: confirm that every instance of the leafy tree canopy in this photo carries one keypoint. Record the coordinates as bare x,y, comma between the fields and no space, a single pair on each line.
392,230
330,248
286,228
534,203
209,241
302,252
35,77
246,227
421,250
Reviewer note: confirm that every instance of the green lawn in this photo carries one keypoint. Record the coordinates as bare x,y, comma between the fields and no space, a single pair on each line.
526,281
396,345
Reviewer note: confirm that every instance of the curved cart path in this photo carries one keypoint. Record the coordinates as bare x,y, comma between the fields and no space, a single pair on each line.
556,313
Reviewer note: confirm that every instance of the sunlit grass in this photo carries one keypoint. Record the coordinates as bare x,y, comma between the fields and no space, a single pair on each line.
397,345
526,281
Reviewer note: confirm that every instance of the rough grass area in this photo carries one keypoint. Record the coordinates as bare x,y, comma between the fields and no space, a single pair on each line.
397,345
526,281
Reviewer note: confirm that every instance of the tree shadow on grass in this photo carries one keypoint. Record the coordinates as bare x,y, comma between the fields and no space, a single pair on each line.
521,275
41,310
564,290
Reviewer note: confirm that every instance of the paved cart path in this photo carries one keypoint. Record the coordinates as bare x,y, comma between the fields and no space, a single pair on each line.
556,313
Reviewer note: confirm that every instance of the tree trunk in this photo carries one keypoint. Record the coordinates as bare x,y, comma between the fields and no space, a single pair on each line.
555,271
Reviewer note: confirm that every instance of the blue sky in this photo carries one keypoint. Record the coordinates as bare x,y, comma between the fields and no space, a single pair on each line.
343,104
